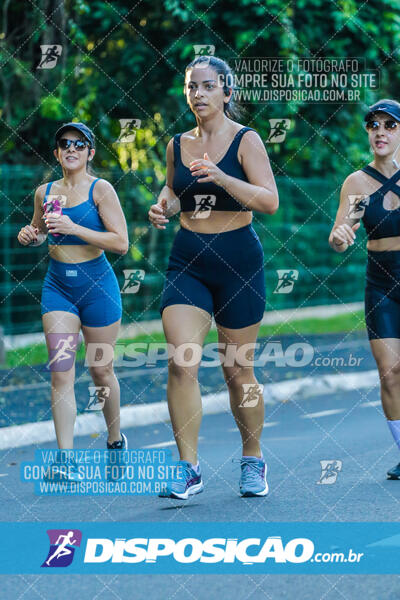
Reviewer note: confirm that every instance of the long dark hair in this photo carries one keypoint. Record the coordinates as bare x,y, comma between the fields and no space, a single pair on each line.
231,108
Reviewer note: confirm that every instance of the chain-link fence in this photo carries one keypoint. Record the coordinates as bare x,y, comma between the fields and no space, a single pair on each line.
300,268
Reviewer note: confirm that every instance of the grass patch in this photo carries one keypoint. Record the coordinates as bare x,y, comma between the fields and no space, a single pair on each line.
336,324
37,354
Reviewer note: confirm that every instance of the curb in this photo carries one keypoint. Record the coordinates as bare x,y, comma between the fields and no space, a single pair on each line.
157,412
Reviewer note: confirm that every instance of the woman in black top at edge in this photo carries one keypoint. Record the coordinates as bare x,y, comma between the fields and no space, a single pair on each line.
376,191
217,174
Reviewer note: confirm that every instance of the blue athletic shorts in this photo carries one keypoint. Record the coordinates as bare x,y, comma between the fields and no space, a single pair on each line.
222,273
382,294
88,289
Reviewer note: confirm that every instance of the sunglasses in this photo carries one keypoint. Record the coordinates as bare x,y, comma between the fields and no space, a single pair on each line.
390,124
65,144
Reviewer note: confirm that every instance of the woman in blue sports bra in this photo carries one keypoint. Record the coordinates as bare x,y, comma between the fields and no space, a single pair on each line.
372,195
81,216
217,174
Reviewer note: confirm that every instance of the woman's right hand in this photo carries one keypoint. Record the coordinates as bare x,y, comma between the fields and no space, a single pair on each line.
344,234
27,235
157,214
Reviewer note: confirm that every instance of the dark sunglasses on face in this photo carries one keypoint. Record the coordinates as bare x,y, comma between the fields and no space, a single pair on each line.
65,144
390,124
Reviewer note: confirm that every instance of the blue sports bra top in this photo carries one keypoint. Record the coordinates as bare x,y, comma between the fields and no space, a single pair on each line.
85,214
378,221
186,187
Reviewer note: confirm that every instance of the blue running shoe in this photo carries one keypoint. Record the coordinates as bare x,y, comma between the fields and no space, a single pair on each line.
394,473
62,470
116,462
122,444
191,483
253,480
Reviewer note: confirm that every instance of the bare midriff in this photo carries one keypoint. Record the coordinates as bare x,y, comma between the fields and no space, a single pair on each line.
74,254
217,221
384,244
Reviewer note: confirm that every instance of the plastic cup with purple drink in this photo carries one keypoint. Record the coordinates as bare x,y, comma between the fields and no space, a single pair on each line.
53,207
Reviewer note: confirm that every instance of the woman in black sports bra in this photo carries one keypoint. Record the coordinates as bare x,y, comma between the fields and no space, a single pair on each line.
217,174
373,195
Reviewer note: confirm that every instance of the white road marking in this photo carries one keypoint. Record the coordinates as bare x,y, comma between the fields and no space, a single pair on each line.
323,413
164,444
266,424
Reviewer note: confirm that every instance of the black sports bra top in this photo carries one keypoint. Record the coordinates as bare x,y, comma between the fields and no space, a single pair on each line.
378,221
187,188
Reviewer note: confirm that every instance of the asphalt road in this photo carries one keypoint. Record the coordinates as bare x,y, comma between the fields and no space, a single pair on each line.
347,427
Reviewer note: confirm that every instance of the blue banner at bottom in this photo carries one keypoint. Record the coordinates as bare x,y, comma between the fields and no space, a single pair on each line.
256,547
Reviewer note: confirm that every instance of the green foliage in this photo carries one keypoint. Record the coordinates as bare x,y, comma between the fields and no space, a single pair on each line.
119,62
124,60
51,108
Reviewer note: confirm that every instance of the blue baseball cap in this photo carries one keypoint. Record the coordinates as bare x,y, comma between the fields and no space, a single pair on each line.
79,127
391,107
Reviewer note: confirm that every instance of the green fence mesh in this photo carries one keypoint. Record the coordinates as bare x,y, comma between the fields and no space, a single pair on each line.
294,238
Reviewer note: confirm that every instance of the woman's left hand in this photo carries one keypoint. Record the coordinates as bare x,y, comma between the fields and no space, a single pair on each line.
60,224
204,166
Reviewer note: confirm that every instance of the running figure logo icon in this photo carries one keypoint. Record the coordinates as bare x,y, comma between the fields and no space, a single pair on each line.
329,471
62,348
206,50
62,547
204,205
357,205
54,203
133,279
279,129
50,55
252,392
287,277
128,131
98,396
